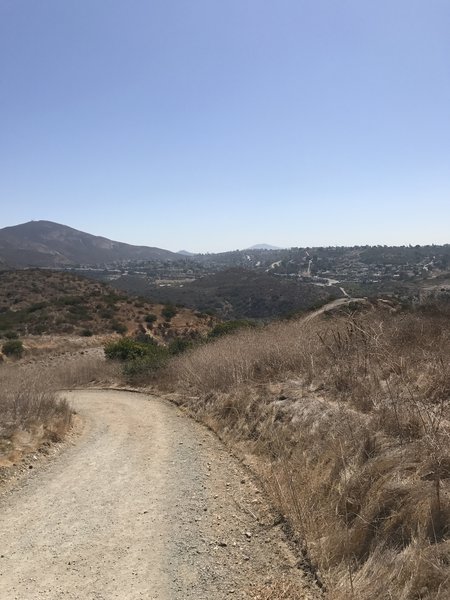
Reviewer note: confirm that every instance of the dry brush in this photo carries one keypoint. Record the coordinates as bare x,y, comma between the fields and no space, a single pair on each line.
347,419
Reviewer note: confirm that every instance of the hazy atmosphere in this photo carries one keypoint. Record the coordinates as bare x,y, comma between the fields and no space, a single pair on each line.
215,125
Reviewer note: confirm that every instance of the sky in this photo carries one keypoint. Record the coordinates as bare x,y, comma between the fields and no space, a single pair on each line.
213,125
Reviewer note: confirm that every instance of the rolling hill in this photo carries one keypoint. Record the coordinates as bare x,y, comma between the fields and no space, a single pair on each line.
36,302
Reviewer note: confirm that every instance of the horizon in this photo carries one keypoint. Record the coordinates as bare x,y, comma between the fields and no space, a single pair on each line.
202,126
272,247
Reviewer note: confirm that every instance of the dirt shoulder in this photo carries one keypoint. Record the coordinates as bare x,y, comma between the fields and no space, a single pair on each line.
147,504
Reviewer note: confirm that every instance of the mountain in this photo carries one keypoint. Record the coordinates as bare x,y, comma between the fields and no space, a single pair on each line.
48,244
263,247
185,253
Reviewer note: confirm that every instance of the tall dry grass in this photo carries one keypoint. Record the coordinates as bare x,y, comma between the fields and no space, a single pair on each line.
347,419
31,413
32,410
86,371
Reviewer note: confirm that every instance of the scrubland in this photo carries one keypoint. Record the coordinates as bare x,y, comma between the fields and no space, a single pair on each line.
346,419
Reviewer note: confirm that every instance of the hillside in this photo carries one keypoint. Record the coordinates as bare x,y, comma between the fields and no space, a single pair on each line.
52,302
48,244
346,417
237,293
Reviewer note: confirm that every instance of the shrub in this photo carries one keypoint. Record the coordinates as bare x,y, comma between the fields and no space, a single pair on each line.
13,348
139,369
229,327
169,311
11,335
179,345
70,300
151,318
126,349
141,358
36,306
118,327
86,333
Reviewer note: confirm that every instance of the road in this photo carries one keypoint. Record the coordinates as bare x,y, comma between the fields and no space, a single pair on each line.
143,503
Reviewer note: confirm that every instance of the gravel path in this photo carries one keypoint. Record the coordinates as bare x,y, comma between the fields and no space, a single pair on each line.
144,503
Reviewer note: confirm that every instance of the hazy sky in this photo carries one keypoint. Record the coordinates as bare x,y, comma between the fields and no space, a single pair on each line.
218,124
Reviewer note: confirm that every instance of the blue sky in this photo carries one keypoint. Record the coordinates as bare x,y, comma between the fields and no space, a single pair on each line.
212,125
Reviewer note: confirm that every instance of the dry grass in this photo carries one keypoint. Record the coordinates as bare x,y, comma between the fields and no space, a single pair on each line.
86,371
347,419
31,414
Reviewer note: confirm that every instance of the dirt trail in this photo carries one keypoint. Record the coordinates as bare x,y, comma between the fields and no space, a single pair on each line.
145,504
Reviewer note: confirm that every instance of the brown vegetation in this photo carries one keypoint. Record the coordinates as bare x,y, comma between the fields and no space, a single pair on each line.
347,419
31,414
36,302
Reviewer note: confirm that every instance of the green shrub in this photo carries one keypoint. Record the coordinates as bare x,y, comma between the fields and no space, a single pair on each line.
140,359
151,318
179,345
36,306
139,369
86,333
118,327
13,348
11,335
229,327
69,300
126,349
169,311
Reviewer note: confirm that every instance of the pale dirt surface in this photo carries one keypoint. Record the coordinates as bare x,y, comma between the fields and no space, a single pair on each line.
143,503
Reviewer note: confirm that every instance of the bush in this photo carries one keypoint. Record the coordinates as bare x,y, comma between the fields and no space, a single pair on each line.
139,369
140,358
125,349
13,348
11,335
36,306
179,345
86,333
229,327
169,311
151,318
118,327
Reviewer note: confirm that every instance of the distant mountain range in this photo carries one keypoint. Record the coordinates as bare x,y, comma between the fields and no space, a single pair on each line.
48,244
